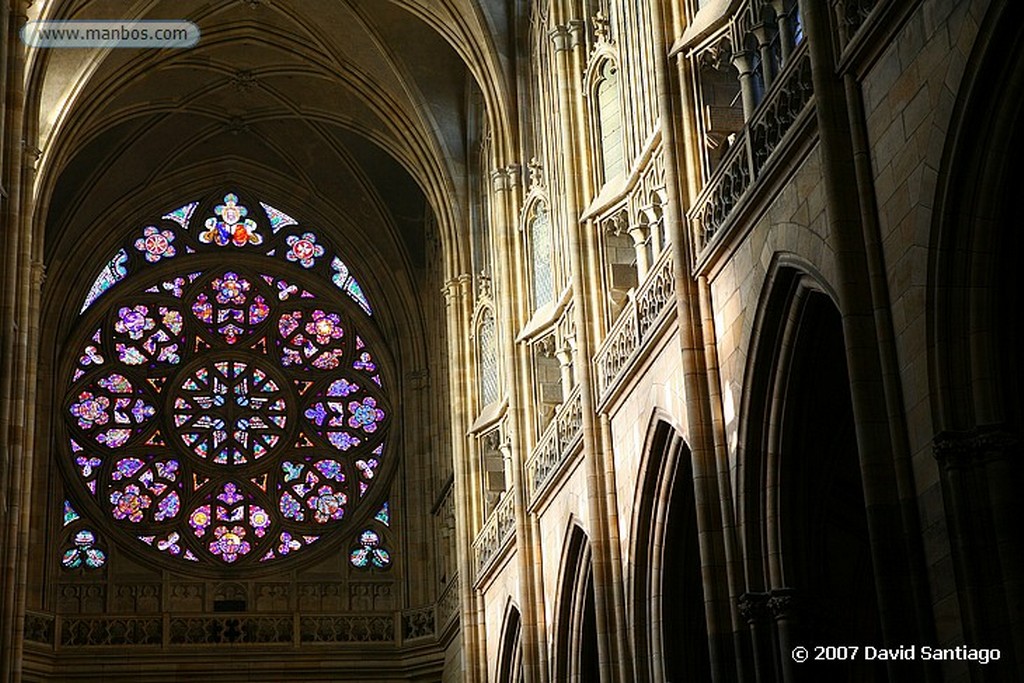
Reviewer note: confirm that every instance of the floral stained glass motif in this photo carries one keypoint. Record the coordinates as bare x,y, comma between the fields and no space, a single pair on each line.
370,552
230,306
230,413
303,249
156,244
110,410
311,341
230,225
145,335
147,489
83,552
230,416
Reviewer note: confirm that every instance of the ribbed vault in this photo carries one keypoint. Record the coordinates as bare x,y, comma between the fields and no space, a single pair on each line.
353,107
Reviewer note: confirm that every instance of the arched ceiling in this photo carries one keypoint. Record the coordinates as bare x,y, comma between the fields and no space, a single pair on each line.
351,112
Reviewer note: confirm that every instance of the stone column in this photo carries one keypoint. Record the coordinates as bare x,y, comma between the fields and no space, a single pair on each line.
981,474
613,660
708,451
785,30
763,32
744,63
753,607
783,604
640,234
463,485
514,449
16,244
863,301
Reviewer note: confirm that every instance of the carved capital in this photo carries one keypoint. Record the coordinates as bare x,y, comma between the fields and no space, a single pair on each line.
564,354
957,450
639,234
450,290
651,213
38,273
32,154
764,32
744,62
500,180
577,31
514,173
561,37
783,603
753,607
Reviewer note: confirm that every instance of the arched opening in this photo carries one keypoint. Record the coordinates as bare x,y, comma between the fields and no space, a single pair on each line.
975,345
510,661
576,642
671,635
826,551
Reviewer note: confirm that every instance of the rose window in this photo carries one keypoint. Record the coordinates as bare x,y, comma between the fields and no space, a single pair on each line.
227,412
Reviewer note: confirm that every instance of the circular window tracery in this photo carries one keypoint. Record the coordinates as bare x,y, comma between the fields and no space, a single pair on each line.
228,416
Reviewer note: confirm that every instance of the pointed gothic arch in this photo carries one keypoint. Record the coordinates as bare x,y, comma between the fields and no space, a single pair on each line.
976,367
809,566
575,656
670,634
510,653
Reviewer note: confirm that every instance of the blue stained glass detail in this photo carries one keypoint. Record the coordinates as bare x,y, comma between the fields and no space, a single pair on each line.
384,516
340,272
111,274
348,284
356,292
278,219
183,215
69,513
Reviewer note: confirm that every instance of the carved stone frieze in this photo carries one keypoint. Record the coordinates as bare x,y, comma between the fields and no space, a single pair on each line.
418,623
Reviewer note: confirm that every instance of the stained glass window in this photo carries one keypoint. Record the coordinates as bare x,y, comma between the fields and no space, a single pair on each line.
540,252
226,405
488,351
369,551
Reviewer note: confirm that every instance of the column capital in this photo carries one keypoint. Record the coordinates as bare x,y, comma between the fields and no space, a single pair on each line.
561,36
564,354
577,31
956,450
783,602
743,61
450,290
753,607
639,232
500,181
763,32
38,273
514,174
